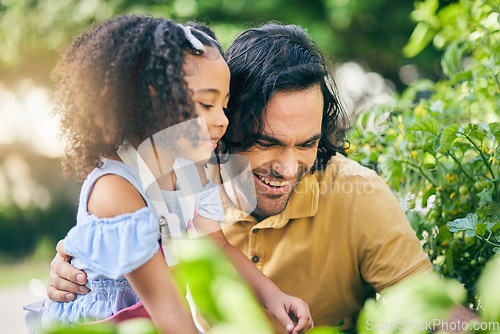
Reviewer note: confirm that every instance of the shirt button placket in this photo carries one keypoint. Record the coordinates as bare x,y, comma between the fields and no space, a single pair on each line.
256,247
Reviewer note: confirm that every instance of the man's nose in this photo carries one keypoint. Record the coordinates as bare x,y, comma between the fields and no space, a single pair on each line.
286,164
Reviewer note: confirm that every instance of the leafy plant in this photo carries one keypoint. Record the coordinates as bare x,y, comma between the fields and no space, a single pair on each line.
438,144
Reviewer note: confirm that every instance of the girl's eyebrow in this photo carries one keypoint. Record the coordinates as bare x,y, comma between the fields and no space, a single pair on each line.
208,90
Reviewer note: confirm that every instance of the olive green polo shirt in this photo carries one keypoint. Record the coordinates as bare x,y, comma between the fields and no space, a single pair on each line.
342,236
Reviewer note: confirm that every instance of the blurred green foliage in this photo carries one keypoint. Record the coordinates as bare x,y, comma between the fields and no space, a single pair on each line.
33,32
438,143
416,305
37,204
420,304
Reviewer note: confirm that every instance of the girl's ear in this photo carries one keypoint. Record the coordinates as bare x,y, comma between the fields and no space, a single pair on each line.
154,96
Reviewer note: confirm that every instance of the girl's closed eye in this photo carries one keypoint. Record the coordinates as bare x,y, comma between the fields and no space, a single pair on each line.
206,106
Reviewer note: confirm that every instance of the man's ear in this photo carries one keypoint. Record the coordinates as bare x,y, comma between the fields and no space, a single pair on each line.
154,96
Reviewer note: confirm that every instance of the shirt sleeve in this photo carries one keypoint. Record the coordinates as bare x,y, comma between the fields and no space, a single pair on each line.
210,205
388,249
115,246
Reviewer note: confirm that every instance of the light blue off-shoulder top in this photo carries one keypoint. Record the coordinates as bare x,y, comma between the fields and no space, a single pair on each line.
108,248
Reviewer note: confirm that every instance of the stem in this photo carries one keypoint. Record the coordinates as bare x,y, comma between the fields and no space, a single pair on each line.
496,79
421,171
488,241
486,163
460,166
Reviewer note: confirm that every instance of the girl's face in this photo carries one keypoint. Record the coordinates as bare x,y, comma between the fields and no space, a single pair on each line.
208,77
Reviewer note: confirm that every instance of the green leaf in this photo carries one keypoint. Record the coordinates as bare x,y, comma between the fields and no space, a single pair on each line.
481,228
392,170
324,330
477,131
220,295
452,58
427,125
137,325
493,227
495,129
437,142
467,224
425,10
419,39
429,159
448,136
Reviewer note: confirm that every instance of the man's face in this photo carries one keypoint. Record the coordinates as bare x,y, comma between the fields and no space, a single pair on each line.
287,148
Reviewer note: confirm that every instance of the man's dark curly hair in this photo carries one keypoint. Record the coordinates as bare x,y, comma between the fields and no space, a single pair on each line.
271,59
122,78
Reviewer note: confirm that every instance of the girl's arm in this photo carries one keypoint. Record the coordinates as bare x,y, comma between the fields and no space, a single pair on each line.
111,196
162,300
283,307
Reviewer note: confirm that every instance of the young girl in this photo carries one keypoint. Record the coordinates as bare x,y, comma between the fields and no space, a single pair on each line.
128,79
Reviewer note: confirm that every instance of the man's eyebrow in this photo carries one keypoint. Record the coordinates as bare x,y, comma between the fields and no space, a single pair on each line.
276,141
313,138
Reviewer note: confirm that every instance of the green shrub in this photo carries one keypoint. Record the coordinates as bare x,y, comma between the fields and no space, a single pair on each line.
437,144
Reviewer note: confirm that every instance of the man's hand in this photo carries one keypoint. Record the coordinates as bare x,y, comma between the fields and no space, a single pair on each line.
65,280
289,310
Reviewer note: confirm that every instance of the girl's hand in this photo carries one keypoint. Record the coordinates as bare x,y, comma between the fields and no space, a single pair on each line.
289,310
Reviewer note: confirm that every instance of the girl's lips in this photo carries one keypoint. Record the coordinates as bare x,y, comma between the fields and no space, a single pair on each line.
211,143
272,186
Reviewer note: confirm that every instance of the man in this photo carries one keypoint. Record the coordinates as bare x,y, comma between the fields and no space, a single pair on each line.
324,228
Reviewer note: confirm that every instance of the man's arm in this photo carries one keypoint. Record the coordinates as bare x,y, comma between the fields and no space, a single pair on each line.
65,280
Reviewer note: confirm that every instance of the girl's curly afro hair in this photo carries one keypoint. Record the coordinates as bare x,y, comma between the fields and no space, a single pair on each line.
121,78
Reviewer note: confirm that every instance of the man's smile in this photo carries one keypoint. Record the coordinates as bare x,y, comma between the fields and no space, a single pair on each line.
271,182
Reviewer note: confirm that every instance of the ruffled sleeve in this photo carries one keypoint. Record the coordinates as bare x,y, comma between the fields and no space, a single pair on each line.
210,205
115,246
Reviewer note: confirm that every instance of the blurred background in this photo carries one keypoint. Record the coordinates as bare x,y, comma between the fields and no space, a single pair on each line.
38,205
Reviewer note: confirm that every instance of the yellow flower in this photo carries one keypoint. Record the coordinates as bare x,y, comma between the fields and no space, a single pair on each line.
450,178
420,110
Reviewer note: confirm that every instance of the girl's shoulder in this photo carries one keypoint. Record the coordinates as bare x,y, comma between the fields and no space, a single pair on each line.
112,190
